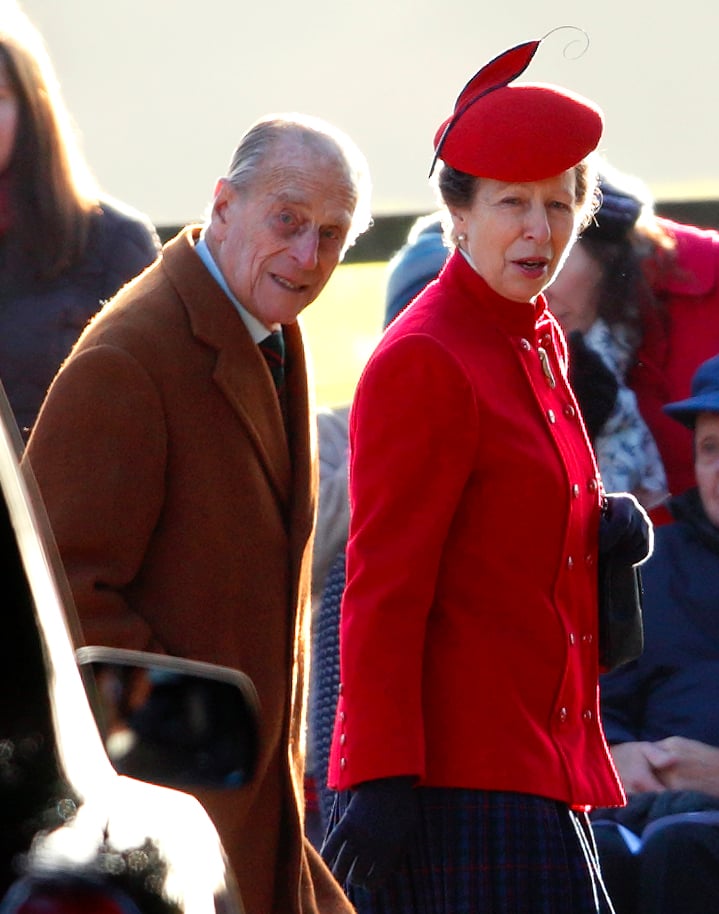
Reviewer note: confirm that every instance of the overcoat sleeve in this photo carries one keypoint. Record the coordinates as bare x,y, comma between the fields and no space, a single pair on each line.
103,502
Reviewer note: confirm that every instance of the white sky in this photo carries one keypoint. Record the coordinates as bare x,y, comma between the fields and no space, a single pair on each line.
161,90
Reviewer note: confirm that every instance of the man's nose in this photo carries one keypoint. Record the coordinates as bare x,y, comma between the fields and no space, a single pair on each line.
305,248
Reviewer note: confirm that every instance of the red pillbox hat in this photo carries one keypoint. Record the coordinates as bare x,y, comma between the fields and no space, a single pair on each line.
524,132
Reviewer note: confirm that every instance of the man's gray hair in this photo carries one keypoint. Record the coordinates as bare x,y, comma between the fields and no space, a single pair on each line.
248,157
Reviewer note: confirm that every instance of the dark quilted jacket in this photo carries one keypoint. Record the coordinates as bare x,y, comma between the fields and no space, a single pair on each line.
39,323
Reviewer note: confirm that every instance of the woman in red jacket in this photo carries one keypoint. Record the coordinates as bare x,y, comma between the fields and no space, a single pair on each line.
467,742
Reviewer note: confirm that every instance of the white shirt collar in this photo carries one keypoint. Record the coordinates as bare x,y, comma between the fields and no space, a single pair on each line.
256,329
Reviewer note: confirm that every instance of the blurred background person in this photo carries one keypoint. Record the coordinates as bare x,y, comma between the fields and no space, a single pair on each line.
660,854
416,263
679,326
64,249
599,297
475,526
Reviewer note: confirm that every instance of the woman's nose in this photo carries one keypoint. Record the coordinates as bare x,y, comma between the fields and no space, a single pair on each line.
537,223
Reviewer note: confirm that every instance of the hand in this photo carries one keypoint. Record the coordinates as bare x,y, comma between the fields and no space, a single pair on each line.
368,842
686,764
635,766
625,530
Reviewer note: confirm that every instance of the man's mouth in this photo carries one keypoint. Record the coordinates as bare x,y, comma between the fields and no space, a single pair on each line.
288,284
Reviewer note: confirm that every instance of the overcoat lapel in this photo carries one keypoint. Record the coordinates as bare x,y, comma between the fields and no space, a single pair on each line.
240,372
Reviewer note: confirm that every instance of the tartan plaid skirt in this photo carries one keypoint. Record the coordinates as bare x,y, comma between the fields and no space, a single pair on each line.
488,852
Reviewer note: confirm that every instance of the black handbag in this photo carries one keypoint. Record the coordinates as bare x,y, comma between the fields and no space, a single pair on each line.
621,630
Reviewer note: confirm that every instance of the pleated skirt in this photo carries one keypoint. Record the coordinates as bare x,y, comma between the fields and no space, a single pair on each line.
488,852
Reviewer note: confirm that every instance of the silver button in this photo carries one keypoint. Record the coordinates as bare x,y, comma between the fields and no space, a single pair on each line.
550,415
570,562
575,490
343,764
563,715
525,344
587,714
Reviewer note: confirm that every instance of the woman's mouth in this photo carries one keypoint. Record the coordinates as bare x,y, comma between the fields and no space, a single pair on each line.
533,267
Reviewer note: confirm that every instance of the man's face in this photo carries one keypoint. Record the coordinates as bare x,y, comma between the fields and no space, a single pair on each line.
706,463
8,119
278,240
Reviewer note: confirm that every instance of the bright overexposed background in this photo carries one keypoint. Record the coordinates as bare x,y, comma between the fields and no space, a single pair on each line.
161,90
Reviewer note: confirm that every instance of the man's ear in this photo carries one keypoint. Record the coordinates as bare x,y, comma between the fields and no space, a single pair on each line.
223,196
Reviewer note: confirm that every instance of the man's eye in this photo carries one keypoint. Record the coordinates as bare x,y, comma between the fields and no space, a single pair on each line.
287,218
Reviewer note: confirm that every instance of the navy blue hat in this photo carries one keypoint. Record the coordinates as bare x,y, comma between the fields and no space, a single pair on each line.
415,265
617,214
704,398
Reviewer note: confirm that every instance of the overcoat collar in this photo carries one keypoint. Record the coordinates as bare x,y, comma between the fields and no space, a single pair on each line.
240,371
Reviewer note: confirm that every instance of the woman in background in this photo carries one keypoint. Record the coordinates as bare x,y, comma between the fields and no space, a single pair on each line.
600,297
63,250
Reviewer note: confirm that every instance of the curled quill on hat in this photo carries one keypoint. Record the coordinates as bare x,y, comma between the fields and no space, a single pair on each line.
515,133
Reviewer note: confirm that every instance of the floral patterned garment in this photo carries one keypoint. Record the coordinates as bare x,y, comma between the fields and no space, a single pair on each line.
626,452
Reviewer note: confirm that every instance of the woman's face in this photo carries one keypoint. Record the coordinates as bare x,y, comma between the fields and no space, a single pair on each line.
8,118
573,295
706,463
517,234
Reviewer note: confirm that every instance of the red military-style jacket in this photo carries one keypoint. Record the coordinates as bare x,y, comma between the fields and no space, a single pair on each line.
469,622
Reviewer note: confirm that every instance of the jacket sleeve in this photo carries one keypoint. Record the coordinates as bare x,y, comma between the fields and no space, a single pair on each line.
127,243
98,452
412,448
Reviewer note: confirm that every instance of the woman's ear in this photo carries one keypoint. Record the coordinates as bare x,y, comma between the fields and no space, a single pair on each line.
458,222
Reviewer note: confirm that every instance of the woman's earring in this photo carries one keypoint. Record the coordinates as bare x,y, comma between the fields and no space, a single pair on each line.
461,237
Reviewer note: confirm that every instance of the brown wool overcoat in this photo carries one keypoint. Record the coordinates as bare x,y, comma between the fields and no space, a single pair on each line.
183,512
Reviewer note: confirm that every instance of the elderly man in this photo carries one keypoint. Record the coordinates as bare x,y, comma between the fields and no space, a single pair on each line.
178,467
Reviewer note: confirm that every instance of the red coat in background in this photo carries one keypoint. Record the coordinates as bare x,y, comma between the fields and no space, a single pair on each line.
469,622
183,512
676,341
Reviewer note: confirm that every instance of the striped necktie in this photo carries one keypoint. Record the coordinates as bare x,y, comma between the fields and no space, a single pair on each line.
273,349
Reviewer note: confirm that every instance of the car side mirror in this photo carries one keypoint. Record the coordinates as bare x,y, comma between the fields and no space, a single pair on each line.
170,721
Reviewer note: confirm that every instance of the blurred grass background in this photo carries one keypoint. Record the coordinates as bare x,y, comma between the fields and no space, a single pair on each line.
342,327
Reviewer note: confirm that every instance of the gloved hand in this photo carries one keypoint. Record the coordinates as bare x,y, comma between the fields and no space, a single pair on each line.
366,845
625,530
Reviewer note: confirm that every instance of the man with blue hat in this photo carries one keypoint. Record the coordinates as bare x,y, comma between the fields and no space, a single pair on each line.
661,712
